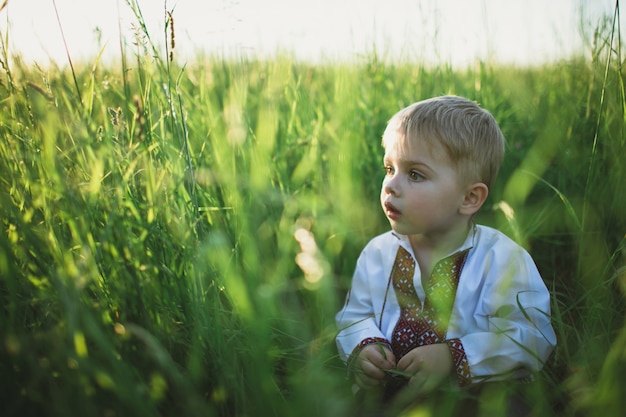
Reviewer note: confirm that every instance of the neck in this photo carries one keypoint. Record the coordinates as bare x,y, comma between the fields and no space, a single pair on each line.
441,244
429,249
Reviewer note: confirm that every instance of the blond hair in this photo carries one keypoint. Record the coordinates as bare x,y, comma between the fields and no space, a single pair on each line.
469,134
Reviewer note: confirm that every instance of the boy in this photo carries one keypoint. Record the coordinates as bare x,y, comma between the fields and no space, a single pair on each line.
438,298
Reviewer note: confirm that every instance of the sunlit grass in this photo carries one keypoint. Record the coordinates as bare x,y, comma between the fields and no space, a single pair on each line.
178,239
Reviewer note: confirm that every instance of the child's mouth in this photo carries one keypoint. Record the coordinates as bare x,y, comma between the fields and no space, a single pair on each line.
391,211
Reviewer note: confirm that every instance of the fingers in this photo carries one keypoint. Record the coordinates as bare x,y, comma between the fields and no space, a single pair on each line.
366,381
391,358
410,364
422,383
433,359
373,361
372,369
369,375
428,366
380,357
381,363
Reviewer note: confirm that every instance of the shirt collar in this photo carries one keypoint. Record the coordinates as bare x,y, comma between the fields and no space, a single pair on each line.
467,244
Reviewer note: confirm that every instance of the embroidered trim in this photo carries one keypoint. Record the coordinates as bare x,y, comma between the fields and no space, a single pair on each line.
427,323
459,362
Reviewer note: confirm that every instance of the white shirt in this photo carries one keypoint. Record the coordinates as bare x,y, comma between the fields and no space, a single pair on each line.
501,311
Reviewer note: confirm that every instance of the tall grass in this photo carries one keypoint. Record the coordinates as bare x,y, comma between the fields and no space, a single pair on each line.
176,240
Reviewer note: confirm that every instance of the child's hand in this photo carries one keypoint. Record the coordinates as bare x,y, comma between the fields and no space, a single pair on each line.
430,365
371,363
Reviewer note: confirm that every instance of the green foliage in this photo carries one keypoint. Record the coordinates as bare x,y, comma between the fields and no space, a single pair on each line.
177,240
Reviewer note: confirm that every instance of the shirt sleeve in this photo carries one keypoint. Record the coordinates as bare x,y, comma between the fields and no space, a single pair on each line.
357,320
460,365
513,334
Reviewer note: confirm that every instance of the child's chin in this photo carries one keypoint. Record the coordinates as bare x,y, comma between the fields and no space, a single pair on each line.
397,229
403,229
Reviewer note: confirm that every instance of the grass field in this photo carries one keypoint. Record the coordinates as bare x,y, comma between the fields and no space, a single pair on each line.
176,240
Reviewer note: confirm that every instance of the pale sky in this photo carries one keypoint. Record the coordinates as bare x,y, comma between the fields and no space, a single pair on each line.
451,31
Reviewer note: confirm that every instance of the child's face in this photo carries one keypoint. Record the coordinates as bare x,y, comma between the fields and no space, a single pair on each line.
421,193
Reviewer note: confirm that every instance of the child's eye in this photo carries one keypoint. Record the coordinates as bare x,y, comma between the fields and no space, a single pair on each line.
415,176
388,169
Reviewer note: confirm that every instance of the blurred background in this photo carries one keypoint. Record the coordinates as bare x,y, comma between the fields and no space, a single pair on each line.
183,199
454,31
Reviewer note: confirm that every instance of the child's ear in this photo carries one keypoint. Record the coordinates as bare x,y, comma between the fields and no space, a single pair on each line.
475,196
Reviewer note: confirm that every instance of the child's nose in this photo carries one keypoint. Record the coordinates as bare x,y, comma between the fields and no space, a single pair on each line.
390,185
